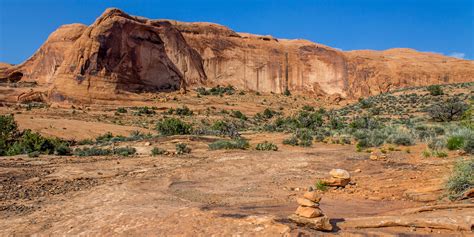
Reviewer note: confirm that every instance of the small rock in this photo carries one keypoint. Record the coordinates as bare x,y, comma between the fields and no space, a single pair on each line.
373,157
313,196
340,174
306,203
318,223
308,212
357,171
147,143
334,182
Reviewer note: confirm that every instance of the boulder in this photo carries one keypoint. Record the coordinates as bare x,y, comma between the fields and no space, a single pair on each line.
335,182
339,174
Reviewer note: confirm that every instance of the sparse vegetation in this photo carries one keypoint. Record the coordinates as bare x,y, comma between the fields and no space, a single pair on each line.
182,148
435,90
173,126
266,146
462,178
157,151
238,143
449,110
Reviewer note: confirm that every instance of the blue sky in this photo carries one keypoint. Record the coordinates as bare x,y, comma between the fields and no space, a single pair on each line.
442,26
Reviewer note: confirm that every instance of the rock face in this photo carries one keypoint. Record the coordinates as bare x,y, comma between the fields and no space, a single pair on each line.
119,53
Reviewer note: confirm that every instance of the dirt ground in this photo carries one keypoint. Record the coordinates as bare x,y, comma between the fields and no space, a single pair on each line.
220,193
205,192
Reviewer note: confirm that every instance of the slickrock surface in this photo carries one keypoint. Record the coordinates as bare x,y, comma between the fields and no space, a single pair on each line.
119,54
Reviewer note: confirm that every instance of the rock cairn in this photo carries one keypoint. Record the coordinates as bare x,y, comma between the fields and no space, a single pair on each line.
309,214
339,178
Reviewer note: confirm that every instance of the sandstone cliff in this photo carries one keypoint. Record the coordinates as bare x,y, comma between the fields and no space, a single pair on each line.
119,54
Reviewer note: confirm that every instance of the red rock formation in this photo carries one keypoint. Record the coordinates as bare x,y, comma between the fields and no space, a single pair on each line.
119,53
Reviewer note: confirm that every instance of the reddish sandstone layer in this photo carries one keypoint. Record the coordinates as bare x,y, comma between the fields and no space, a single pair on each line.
119,54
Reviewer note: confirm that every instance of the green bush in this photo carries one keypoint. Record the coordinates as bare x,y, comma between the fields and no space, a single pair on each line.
157,151
449,110
184,111
182,148
31,142
469,145
173,126
266,146
238,114
302,137
13,142
238,143
92,151
8,132
124,151
461,179
455,142
143,110
121,110
225,129
435,90
401,139
269,113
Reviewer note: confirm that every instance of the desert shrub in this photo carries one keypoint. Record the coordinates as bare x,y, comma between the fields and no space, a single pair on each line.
301,137
321,185
269,113
143,110
8,132
182,148
31,142
266,146
461,179
92,151
309,120
401,139
455,142
218,90
157,151
173,126
238,143
365,103
440,154
104,138
450,110
62,149
336,123
365,122
124,151
226,129
121,110
183,111
202,91
370,138
238,114
437,143
308,108
287,92
435,90
469,145
85,142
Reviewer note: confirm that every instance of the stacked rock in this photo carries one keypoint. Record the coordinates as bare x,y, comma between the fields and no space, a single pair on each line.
339,178
309,214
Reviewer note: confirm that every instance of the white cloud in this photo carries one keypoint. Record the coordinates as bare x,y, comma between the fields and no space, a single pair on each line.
457,55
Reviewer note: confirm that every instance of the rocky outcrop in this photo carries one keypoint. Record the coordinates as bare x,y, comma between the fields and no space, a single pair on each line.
119,53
